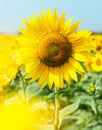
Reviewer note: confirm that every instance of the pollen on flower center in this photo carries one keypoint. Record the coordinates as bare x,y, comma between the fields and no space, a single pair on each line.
53,49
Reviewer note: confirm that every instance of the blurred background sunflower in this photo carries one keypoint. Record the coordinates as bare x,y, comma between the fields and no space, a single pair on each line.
8,54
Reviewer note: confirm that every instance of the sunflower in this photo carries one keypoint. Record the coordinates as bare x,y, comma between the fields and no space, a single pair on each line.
8,54
97,63
97,43
52,49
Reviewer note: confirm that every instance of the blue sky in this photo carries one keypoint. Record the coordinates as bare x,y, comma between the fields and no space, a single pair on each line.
13,11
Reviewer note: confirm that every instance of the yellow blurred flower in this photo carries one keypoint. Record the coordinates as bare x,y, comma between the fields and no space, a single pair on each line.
52,48
95,63
97,43
16,117
92,89
25,117
98,48
8,55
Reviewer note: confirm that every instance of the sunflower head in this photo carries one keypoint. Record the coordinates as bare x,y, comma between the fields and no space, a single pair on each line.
97,63
97,43
8,55
98,48
52,48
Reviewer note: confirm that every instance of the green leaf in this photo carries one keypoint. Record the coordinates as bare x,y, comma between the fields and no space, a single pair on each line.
32,91
88,100
67,111
39,105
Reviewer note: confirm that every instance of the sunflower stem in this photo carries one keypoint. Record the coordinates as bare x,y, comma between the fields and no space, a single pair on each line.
23,84
56,119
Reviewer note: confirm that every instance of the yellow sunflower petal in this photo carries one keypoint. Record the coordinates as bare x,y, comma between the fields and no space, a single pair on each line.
77,66
65,75
81,56
74,27
72,73
58,78
60,24
67,26
50,78
55,19
43,77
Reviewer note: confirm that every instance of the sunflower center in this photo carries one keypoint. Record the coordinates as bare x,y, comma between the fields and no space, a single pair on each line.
98,48
98,62
54,50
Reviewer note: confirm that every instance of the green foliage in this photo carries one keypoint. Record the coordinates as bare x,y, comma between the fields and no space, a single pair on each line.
64,114
80,103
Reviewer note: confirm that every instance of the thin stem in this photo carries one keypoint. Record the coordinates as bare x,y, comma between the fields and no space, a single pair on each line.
56,121
23,82
99,114
96,105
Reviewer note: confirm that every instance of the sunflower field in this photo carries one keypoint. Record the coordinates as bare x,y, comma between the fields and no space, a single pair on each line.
51,76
